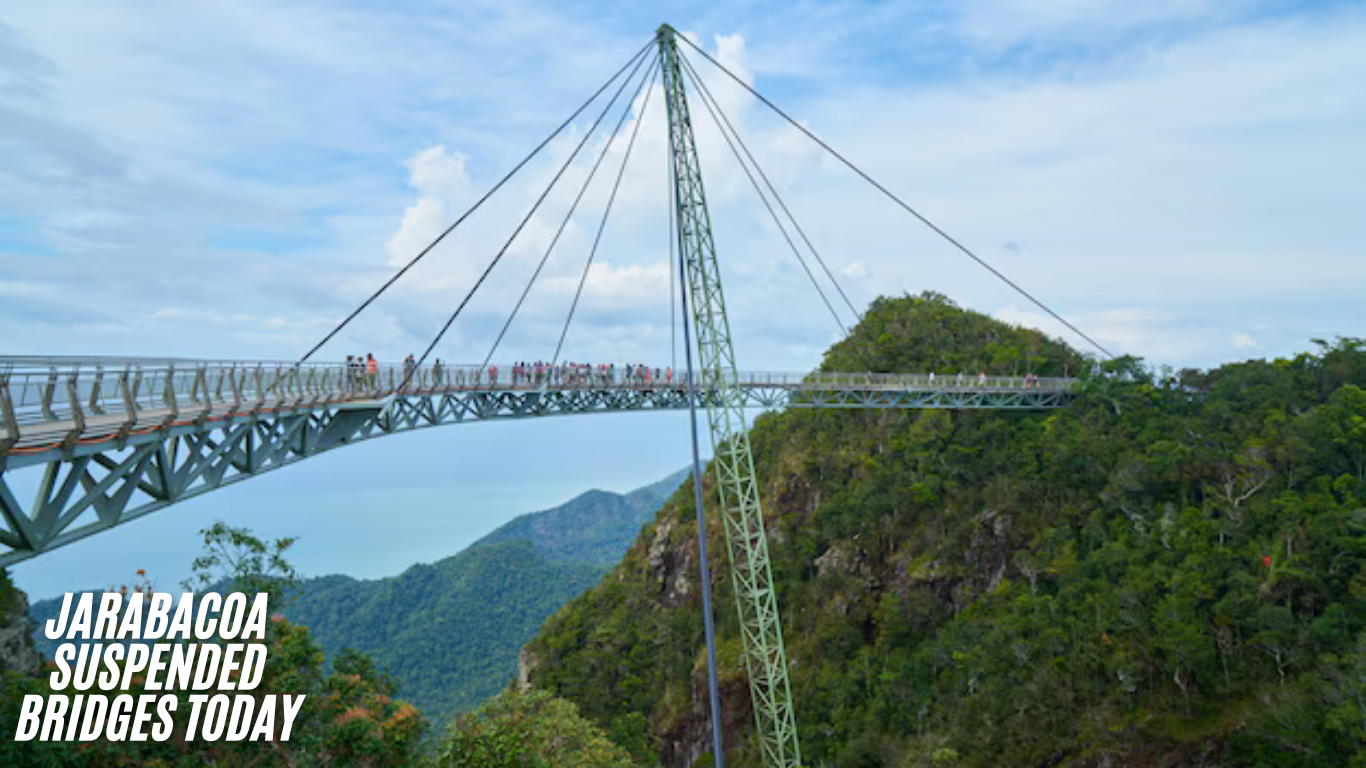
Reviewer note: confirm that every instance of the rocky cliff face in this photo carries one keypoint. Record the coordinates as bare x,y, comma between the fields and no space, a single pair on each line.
17,653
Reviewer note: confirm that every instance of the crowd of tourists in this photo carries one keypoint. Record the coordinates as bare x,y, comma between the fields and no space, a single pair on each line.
585,374
965,379
362,372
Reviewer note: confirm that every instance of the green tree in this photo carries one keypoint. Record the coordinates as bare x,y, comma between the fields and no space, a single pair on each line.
247,563
1343,422
533,729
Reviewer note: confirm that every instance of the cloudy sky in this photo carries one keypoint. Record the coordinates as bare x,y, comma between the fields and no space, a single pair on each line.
1181,178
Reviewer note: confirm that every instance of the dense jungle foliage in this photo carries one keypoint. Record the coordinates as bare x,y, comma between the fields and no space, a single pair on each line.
1171,571
527,729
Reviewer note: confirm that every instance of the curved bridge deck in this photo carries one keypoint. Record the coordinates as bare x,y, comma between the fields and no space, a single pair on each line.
120,438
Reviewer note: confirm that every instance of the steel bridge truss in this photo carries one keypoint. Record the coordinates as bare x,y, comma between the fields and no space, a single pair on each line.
93,486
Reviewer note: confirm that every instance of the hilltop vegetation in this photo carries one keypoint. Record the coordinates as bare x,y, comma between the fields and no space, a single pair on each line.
1172,571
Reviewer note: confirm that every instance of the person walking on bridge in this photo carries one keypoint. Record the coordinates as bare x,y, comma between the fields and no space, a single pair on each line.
371,369
409,368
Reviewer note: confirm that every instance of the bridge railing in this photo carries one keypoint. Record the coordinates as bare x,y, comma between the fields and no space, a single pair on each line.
956,381
36,390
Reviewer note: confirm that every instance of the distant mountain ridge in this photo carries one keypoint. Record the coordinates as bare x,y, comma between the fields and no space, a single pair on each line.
595,527
450,631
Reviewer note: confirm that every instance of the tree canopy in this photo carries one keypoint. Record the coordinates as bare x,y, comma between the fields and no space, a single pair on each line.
1172,571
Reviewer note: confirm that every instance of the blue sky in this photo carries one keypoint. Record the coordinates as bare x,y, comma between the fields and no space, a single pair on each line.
1181,178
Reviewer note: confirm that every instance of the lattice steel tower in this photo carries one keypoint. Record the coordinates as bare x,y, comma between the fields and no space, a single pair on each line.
760,630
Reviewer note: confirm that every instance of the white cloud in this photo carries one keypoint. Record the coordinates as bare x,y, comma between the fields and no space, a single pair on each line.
1244,341
441,183
730,51
632,286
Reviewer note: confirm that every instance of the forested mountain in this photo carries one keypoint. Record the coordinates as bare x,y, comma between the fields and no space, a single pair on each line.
449,632
1169,572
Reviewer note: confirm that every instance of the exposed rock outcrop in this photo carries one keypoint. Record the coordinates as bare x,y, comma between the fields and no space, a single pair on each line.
526,664
17,653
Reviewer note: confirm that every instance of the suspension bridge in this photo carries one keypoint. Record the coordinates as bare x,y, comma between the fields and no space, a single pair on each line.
134,436
115,439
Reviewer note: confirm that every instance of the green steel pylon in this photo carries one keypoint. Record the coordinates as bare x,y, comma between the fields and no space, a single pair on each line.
760,630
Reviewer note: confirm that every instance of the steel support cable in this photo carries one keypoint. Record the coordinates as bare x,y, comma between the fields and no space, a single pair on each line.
762,197
707,95
535,206
946,236
626,112
673,243
602,225
477,204
704,569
